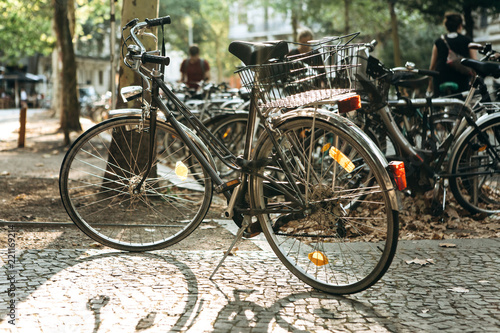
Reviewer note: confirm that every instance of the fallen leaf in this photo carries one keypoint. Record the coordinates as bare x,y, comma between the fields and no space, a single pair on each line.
20,197
146,322
96,245
233,252
447,245
421,262
39,165
425,310
484,281
5,173
459,290
46,155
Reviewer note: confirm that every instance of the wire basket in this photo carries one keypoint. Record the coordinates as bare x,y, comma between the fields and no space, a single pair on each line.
318,76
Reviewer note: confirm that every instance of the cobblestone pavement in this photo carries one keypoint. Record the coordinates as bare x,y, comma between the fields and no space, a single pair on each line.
169,291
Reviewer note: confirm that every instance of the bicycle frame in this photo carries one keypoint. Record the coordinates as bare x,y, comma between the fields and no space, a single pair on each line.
245,166
466,116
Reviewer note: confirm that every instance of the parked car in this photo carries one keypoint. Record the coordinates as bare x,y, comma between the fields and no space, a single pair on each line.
87,96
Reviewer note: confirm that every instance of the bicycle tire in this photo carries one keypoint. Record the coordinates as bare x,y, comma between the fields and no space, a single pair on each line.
103,168
479,190
340,247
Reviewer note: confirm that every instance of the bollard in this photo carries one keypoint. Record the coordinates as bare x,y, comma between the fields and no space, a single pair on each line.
22,127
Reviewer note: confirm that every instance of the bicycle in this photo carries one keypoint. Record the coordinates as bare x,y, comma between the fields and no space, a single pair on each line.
464,158
313,182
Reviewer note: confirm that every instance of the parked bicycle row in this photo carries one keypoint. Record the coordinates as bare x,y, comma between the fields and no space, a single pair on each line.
293,165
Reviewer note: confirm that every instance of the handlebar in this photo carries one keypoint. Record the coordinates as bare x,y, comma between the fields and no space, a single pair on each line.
411,69
134,31
486,50
158,21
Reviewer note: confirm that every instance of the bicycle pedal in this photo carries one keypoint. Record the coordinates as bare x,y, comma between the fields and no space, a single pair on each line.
227,186
252,230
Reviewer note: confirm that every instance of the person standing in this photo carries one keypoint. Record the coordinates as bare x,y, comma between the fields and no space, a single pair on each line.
194,69
458,43
304,36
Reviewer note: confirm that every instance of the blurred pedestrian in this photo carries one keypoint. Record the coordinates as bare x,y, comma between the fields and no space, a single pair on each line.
194,69
304,36
24,98
459,44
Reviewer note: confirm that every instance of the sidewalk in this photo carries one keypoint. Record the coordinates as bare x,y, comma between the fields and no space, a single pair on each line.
90,290
162,291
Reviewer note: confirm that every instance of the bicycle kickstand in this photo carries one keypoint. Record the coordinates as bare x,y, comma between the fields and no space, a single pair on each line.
239,234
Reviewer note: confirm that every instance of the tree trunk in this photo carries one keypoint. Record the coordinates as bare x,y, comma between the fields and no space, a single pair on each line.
395,34
346,17
141,10
135,9
70,114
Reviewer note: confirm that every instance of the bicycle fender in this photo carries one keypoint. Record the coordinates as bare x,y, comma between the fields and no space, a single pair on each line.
483,120
356,133
161,117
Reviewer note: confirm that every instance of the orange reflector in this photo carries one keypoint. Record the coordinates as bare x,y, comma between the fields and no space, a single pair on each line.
226,133
398,172
341,159
482,148
181,170
349,104
318,258
232,182
325,147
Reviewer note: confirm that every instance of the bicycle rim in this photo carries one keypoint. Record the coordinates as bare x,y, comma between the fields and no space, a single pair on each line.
478,187
347,239
100,178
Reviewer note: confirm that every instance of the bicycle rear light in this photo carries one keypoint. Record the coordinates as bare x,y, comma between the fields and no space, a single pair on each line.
349,104
398,172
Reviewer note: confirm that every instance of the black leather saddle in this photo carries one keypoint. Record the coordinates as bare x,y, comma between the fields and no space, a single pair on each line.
483,68
251,53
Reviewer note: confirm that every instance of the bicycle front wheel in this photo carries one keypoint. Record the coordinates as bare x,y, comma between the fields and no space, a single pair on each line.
345,238
475,169
101,189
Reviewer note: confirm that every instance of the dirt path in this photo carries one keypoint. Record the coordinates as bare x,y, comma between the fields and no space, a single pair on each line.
29,192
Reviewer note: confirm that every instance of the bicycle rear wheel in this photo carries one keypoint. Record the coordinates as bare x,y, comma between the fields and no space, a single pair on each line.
477,186
99,186
345,239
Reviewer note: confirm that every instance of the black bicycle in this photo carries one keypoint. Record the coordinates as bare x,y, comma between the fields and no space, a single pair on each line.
313,182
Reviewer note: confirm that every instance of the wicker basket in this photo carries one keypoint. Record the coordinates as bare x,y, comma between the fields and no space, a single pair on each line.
318,76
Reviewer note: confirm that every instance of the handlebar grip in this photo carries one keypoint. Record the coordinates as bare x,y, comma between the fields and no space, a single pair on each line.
428,72
158,21
372,44
145,58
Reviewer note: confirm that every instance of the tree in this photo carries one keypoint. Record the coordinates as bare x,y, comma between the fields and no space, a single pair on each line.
70,115
435,10
131,9
32,18
210,28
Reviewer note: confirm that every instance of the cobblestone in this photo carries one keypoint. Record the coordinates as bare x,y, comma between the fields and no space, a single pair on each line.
93,290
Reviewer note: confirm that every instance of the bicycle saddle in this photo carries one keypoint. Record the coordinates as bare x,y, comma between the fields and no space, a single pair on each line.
258,53
407,81
483,68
